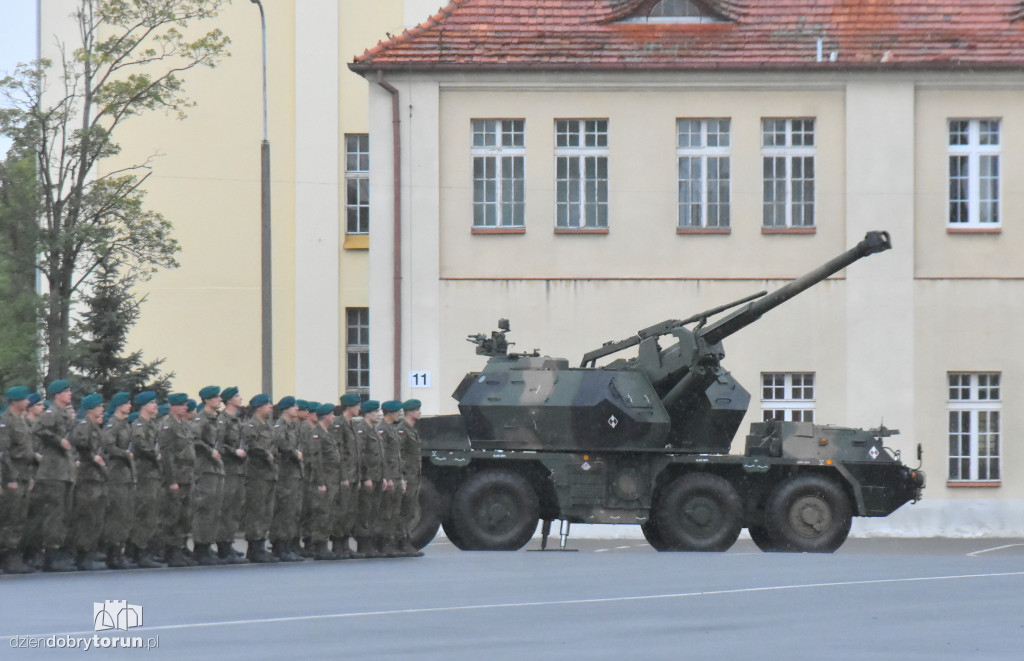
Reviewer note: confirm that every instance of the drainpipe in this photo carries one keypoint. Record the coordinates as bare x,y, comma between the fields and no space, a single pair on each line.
397,247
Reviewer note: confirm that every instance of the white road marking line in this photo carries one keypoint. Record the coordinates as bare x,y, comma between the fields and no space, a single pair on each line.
619,548
528,604
601,550
994,548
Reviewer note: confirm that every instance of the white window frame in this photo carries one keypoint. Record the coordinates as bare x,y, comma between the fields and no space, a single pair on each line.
357,350
788,396
503,203
974,399
711,130
980,152
582,145
357,174
788,148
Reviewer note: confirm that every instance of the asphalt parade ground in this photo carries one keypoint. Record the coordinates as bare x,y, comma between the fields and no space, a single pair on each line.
610,599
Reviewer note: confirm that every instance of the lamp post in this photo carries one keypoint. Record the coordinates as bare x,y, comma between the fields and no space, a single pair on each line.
266,283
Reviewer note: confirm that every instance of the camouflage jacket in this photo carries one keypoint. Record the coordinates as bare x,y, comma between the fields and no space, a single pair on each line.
177,451
206,430
316,446
17,456
229,440
143,446
388,433
348,448
57,463
85,439
286,449
257,441
409,440
116,440
371,452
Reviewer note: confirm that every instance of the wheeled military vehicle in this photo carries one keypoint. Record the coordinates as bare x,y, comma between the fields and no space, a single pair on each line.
646,440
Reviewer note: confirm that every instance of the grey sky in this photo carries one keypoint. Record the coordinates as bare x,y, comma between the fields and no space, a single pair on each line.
17,39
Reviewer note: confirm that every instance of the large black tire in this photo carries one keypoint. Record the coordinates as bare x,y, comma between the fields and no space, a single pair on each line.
762,539
653,536
494,510
808,514
452,534
425,528
699,512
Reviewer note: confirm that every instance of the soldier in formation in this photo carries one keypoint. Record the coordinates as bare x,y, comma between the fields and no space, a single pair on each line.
121,489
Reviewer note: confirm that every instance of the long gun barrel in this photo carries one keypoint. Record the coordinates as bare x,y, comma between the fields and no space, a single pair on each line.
873,242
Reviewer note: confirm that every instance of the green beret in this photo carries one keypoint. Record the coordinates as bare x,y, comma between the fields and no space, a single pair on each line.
120,398
286,402
90,402
163,410
209,392
132,416
259,400
144,397
391,406
177,399
301,403
312,406
17,393
325,409
228,393
46,404
58,386
190,405
34,399
412,404
369,406
351,399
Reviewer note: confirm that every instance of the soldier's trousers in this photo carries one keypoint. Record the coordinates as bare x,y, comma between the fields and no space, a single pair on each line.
231,508
259,505
13,515
47,513
120,513
287,507
149,496
321,508
410,509
368,523
88,512
390,510
346,510
177,515
207,499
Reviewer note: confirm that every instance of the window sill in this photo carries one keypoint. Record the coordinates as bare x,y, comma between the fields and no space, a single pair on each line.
789,230
974,230
581,230
357,242
499,230
986,484
703,230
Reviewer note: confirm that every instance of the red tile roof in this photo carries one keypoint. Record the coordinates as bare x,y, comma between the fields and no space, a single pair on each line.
754,35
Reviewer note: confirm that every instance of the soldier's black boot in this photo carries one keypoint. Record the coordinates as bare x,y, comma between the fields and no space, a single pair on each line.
86,562
410,550
367,547
204,556
339,546
54,560
115,559
386,547
147,559
227,554
13,564
281,551
33,557
174,557
306,549
260,553
322,552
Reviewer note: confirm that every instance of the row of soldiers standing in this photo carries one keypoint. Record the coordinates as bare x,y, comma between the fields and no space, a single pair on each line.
128,489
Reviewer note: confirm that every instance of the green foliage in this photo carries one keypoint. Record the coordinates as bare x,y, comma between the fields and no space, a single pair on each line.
100,337
130,61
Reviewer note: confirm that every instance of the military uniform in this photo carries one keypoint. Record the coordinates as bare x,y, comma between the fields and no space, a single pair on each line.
208,493
117,527
50,501
17,465
322,472
371,468
90,501
391,500
260,484
412,468
304,434
178,459
284,528
229,441
150,492
346,511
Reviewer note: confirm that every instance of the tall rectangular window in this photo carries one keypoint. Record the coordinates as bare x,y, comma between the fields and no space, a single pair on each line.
974,426
787,151
581,173
357,350
702,146
357,183
974,189
787,396
499,188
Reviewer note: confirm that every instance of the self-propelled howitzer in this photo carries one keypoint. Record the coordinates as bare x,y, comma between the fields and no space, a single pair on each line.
646,439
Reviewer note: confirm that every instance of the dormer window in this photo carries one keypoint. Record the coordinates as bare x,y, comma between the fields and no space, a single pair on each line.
675,11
